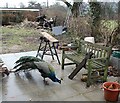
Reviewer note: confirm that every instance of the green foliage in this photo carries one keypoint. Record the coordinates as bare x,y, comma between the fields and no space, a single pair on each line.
109,24
110,32
95,13
95,8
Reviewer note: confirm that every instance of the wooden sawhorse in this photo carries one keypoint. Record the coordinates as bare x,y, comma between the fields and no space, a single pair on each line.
47,39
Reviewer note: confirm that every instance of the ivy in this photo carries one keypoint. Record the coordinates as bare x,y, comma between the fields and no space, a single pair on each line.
95,12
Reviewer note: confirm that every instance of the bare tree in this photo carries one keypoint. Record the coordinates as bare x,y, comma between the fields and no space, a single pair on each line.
95,13
22,5
74,8
33,4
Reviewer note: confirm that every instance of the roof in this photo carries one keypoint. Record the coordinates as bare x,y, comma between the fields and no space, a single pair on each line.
10,9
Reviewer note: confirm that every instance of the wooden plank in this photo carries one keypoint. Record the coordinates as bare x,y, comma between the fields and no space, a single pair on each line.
49,37
80,65
101,52
98,52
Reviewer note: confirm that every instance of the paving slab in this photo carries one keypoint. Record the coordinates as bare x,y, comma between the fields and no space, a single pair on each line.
29,86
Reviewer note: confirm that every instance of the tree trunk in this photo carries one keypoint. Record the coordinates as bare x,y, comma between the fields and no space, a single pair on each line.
119,13
74,8
95,9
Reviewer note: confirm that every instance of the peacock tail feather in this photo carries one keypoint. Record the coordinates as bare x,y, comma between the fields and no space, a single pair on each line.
26,66
19,64
27,59
26,62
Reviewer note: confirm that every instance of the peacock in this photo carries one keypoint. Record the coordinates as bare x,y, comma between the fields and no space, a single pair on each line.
31,62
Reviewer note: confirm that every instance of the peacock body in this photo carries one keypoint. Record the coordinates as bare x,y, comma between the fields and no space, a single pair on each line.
30,63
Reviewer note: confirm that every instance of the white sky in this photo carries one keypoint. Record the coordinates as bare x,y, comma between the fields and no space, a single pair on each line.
16,3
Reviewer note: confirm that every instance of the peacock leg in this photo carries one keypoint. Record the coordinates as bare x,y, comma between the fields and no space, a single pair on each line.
45,82
3,74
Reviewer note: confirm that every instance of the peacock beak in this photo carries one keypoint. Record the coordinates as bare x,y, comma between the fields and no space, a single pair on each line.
60,81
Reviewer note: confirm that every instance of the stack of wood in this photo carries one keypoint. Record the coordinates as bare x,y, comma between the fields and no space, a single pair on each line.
67,47
63,46
3,69
113,86
112,71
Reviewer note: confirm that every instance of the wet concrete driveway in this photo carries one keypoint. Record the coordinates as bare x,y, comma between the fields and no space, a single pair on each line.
29,86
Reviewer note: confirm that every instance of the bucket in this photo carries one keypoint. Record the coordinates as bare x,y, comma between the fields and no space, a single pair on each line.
111,91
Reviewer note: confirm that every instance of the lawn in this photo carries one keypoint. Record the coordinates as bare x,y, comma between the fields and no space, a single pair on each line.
21,39
18,39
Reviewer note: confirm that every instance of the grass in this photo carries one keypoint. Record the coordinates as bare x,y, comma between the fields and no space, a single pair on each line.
18,39
27,38
19,31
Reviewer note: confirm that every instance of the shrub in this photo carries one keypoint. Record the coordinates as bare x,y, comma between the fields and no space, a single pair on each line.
17,16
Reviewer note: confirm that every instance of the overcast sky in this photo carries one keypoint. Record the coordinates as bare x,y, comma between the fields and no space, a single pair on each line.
16,3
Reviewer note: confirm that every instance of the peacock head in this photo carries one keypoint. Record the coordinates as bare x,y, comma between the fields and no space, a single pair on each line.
54,79
59,81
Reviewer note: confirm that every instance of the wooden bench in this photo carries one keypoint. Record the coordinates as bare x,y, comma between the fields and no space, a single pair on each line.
98,62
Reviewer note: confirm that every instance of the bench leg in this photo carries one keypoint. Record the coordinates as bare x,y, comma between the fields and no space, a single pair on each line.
63,59
63,64
105,74
89,75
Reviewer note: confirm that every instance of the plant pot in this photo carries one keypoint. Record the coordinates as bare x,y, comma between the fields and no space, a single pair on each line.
111,94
